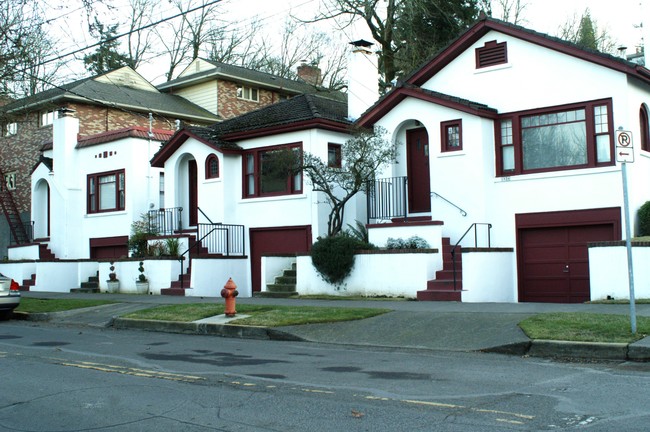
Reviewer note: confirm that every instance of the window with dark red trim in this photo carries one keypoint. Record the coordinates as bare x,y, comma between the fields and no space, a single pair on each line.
267,171
451,135
105,191
491,54
556,138
212,167
645,127
334,155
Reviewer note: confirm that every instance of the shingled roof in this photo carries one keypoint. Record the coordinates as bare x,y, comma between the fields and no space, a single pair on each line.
245,75
298,113
92,91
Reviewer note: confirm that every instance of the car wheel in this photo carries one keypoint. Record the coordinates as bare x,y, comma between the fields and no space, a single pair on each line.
5,315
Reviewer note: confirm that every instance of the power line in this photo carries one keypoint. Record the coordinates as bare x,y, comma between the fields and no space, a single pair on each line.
77,51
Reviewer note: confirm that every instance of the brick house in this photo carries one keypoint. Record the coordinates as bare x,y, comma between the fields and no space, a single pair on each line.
229,91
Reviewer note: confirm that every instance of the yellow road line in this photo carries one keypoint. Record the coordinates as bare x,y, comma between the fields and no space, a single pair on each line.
133,371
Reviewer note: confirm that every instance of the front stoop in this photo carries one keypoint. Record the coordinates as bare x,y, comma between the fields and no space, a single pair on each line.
175,289
442,287
92,286
284,286
28,283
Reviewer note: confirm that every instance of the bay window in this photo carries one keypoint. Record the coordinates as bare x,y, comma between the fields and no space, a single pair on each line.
568,137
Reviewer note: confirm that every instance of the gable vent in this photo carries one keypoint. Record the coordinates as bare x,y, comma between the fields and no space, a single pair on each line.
492,53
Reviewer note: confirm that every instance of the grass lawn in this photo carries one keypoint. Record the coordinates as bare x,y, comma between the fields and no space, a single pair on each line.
36,305
266,316
584,327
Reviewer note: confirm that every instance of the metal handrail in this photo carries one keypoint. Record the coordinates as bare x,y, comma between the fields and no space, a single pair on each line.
462,212
165,221
453,249
205,215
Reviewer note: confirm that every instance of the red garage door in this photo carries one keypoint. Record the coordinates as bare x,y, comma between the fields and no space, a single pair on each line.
553,261
279,240
109,247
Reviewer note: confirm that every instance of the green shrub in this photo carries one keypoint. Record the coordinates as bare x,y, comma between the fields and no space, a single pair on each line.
644,220
141,231
333,257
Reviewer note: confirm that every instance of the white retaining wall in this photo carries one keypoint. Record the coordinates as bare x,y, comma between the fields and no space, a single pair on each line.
209,275
381,274
608,272
489,276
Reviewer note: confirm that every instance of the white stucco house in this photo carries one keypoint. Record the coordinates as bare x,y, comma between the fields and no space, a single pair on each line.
507,157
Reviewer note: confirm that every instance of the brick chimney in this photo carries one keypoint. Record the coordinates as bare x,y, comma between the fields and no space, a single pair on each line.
363,78
310,74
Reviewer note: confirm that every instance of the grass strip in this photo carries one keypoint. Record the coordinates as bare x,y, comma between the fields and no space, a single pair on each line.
260,315
36,305
584,327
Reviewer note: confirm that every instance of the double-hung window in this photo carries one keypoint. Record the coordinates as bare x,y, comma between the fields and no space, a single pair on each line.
248,93
270,171
451,135
106,192
48,117
560,138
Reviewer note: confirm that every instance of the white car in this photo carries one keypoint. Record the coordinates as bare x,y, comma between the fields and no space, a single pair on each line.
9,296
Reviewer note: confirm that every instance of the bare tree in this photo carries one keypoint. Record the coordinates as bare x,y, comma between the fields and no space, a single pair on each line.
511,10
584,31
24,45
399,24
139,41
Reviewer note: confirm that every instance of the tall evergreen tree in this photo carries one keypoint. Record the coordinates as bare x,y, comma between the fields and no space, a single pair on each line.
587,32
106,57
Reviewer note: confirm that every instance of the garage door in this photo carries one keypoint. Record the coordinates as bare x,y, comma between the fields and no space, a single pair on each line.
109,247
284,240
553,261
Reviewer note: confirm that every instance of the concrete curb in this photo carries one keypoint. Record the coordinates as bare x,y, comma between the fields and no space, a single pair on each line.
581,350
224,330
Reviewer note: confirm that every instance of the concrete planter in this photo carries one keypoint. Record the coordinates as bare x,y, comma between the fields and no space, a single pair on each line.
141,287
113,286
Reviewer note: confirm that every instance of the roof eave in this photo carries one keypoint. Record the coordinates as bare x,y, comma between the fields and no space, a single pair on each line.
325,124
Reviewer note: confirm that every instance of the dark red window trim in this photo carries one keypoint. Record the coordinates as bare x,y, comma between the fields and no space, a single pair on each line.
591,137
93,196
209,172
252,176
336,149
645,127
446,127
491,54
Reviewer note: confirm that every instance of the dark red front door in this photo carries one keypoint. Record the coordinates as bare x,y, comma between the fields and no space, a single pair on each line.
554,262
193,192
287,240
419,185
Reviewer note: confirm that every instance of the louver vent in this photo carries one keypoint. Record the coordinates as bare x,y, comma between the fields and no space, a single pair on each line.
492,53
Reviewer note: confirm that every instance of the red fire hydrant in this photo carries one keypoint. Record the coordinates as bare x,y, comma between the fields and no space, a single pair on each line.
229,292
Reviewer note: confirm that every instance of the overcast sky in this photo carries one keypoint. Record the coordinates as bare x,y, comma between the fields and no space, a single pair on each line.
618,17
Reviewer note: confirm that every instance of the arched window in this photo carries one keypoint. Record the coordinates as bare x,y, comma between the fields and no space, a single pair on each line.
212,167
645,127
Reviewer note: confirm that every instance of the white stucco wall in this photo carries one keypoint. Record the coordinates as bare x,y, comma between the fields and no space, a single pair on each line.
608,272
392,275
210,275
489,276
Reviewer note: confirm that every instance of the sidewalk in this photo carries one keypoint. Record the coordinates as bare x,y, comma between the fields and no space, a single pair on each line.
449,326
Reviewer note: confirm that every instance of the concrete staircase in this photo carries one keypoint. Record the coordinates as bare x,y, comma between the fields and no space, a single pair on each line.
28,283
284,286
442,287
45,254
175,289
92,286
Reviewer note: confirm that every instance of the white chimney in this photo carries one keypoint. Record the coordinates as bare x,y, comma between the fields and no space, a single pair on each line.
363,78
64,140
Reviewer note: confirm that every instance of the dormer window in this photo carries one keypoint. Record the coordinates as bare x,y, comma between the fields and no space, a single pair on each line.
248,93
491,54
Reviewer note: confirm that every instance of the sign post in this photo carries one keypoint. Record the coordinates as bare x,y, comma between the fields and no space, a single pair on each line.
625,154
